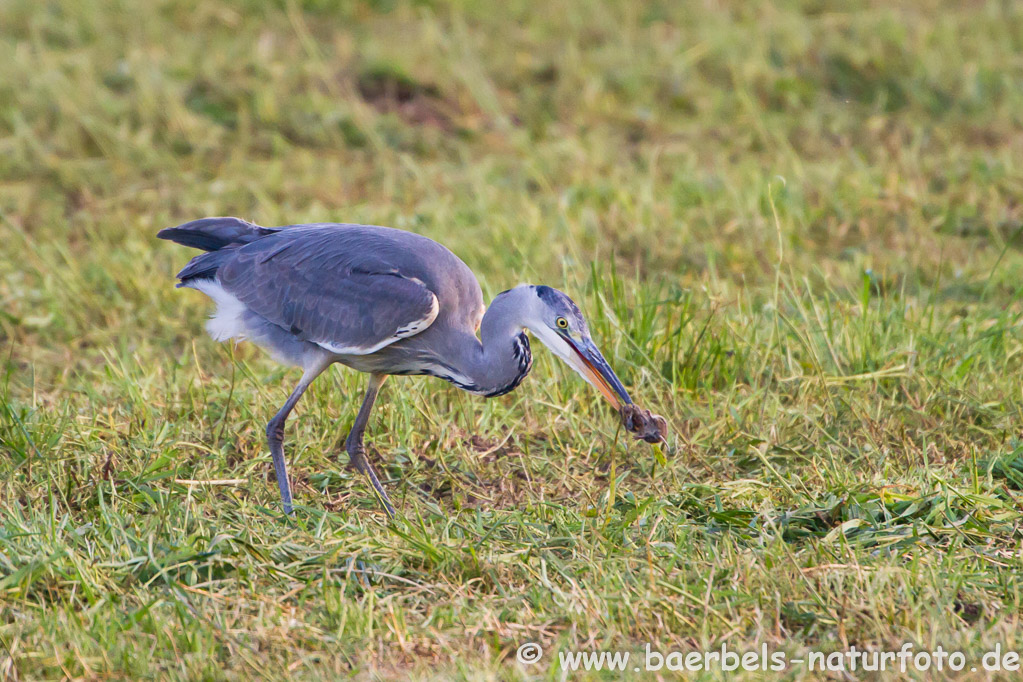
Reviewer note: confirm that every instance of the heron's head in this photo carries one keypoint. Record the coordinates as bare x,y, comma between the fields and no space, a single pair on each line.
555,319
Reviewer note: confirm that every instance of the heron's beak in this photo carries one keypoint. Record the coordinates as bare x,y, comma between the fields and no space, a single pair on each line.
594,369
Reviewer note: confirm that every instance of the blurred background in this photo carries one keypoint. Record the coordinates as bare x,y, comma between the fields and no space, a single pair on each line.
795,228
535,138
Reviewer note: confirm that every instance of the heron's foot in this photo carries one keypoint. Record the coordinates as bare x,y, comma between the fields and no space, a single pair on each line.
358,461
361,571
384,499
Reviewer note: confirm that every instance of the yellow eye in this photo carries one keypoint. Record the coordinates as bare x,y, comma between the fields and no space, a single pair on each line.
561,322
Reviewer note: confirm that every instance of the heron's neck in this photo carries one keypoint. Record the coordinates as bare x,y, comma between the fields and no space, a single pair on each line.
503,359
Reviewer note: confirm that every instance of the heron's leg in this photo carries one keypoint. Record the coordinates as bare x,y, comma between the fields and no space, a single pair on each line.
353,444
275,433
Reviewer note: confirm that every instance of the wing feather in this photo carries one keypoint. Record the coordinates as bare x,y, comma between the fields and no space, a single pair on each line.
334,287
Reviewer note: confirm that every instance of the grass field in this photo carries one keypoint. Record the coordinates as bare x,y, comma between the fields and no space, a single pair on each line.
796,229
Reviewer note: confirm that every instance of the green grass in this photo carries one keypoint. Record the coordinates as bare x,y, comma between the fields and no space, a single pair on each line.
796,230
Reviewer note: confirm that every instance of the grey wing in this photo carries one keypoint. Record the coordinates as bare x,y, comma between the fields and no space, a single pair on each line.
328,287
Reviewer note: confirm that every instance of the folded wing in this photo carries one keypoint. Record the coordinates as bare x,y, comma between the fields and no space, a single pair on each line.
330,286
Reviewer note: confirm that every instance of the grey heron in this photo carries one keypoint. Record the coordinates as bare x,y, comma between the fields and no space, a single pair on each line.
382,301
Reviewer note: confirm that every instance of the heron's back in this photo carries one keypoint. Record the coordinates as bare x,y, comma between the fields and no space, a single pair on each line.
412,255
316,274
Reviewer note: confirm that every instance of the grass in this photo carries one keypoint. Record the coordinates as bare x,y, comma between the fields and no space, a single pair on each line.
795,228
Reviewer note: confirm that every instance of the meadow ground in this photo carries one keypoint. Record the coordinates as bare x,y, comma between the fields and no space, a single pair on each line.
796,228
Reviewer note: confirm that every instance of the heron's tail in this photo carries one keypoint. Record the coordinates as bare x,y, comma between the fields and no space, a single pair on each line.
219,236
213,234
